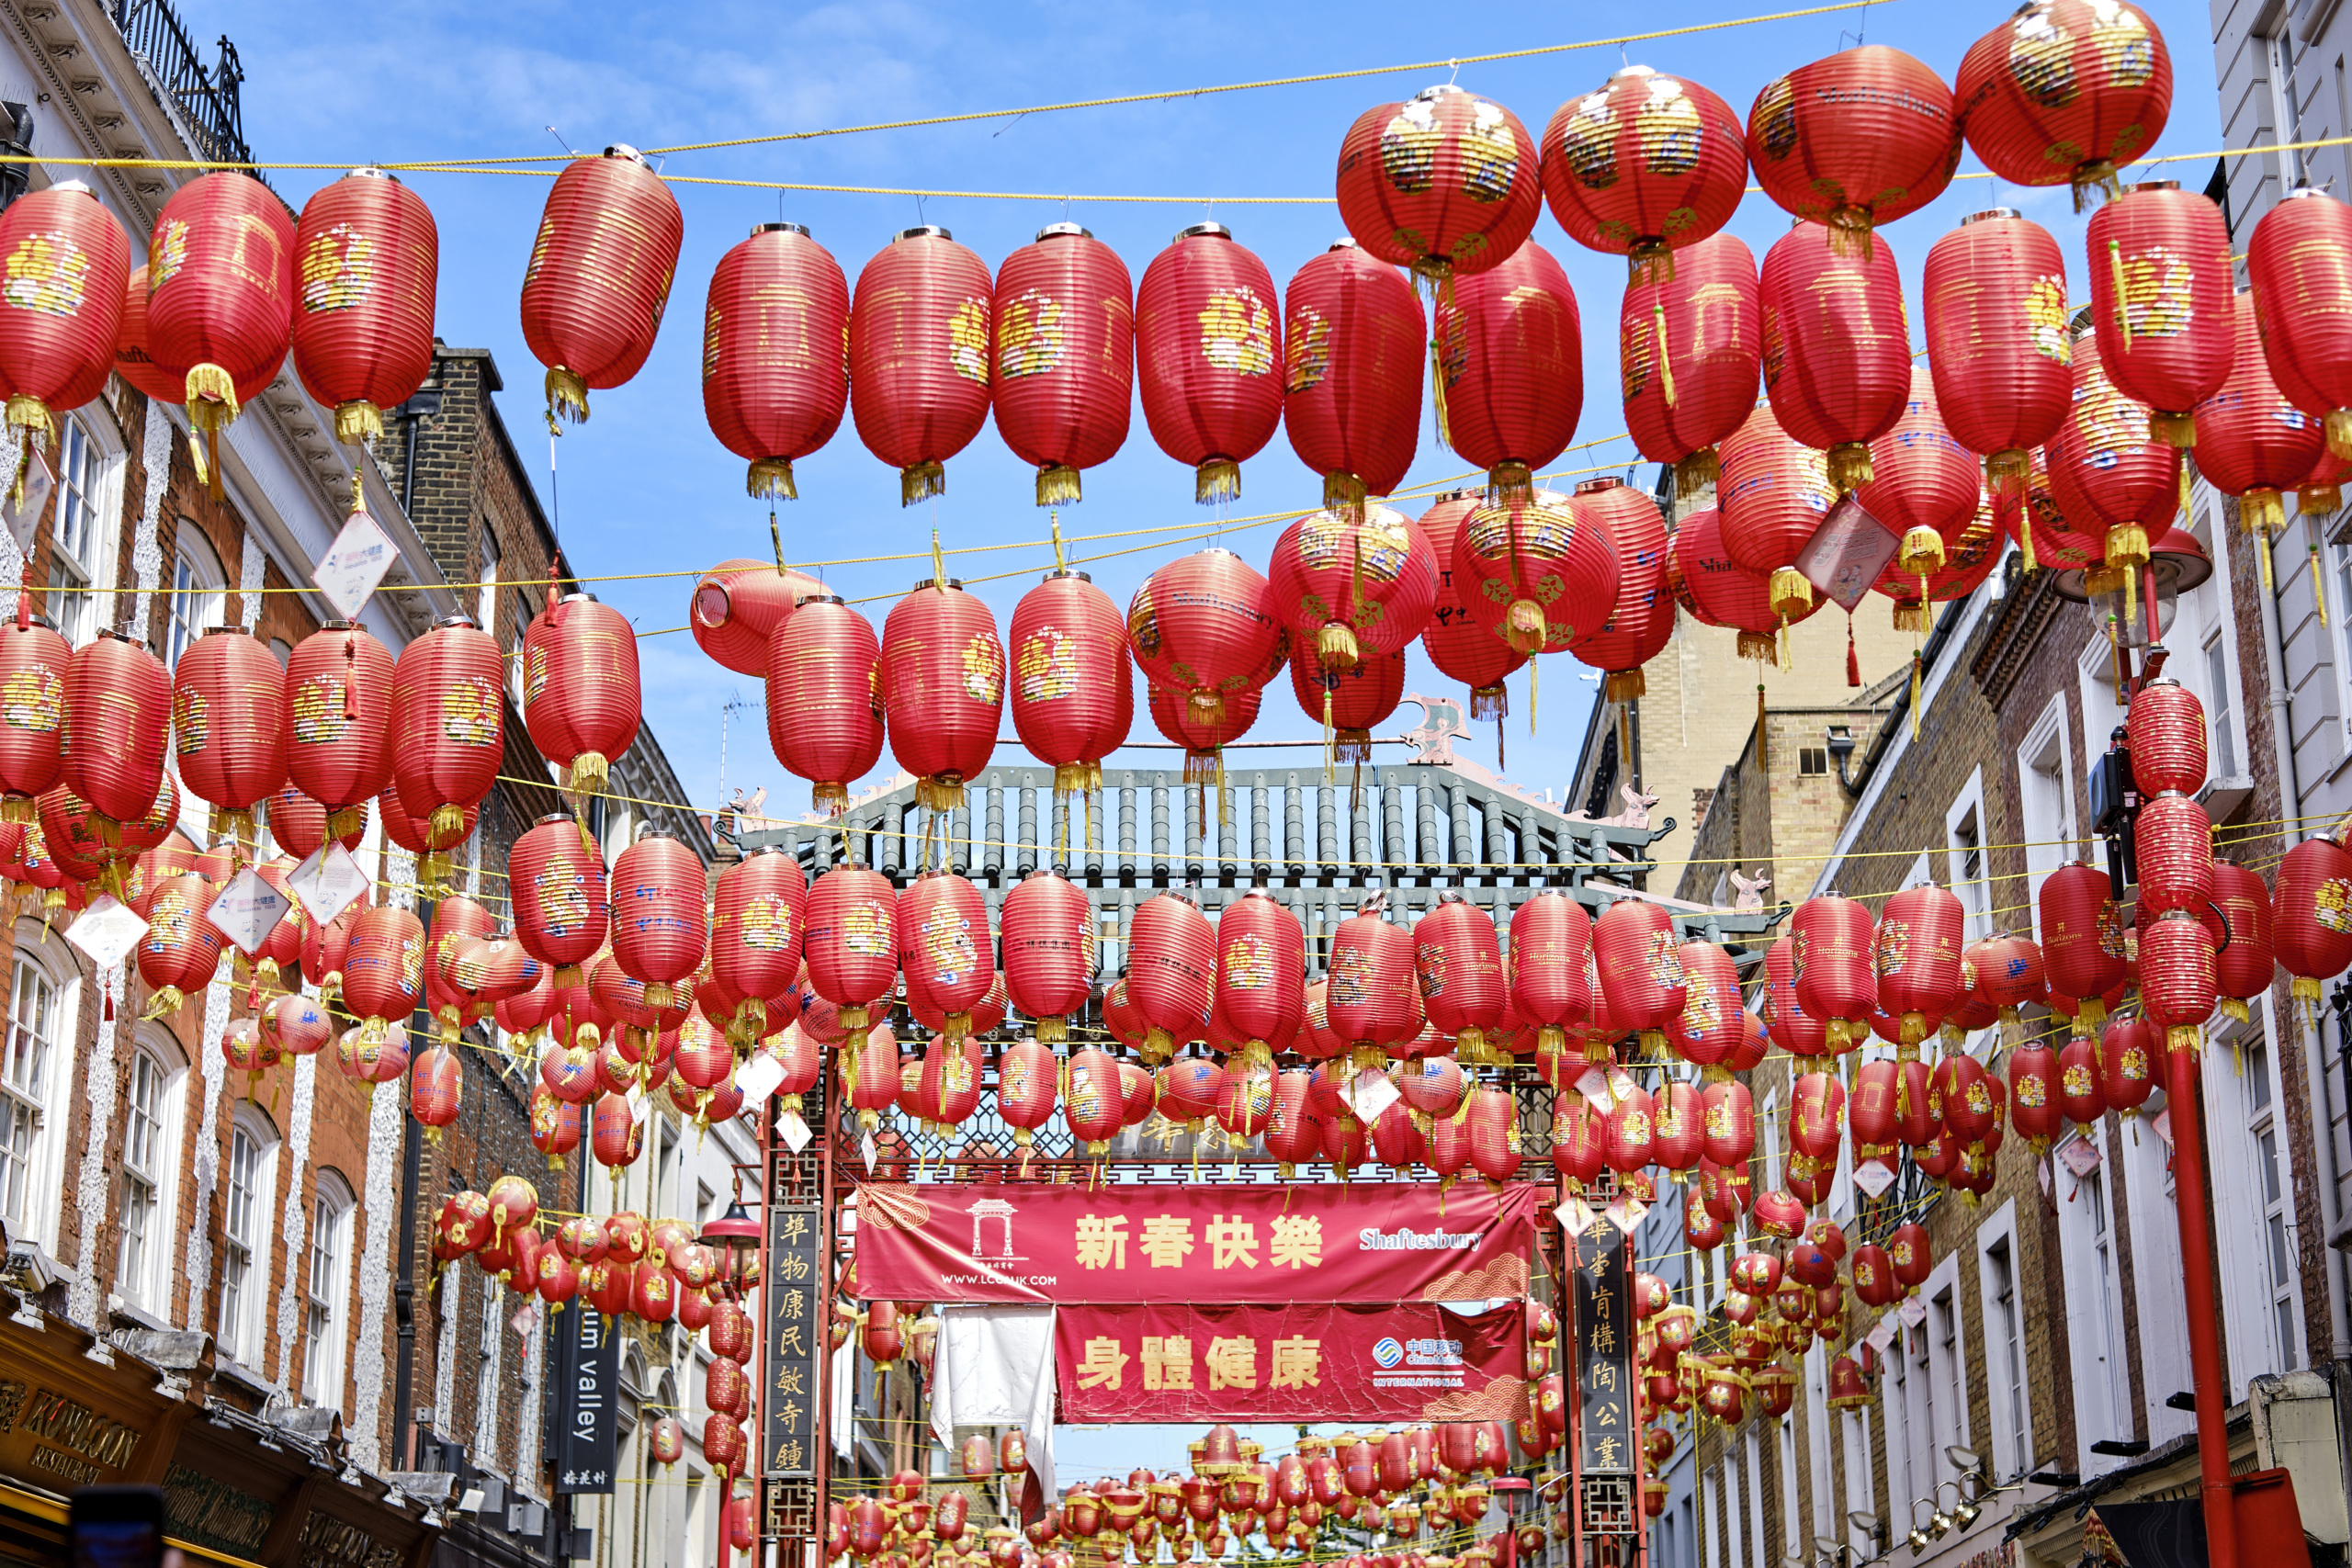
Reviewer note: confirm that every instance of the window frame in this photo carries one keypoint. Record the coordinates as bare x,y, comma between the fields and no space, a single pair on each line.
145,1281
234,1327
1973,889
2094,1304
326,1302
33,1211
199,592
2009,1389
2240,1220
2050,846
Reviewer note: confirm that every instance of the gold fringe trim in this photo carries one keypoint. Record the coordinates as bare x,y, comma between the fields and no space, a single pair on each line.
566,397
2096,181
1509,484
1912,618
2319,501
1850,231
2174,429
19,809
1649,261
1344,493
1486,702
1850,465
1208,707
941,792
770,478
2338,425
920,481
447,821
1791,594
1218,480
1757,644
1335,647
1058,485
357,421
1922,553
1624,685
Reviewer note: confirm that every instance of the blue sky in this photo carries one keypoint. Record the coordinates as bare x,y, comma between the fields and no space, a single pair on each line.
646,488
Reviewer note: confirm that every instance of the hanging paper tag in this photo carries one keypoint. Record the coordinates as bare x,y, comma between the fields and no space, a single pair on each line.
1370,1093
525,1319
1846,554
640,1106
758,1078
1626,1213
1575,1214
1881,1336
106,930
1621,1083
246,910
1594,1086
867,1152
2080,1156
1913,1311
355,563
2162,1122
793,1129
327,881
1874,1177
24,516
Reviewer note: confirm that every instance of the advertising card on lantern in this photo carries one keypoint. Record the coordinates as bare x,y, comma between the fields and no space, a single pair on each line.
1602,1297
1400,1361
1270,1244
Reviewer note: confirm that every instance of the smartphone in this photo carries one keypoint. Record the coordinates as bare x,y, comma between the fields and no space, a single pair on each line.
117,1527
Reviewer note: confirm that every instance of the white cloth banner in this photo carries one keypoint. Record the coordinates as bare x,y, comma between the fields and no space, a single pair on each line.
994,1367
840,1418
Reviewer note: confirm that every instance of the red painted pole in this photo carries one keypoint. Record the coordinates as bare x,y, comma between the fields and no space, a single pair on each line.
2204,1318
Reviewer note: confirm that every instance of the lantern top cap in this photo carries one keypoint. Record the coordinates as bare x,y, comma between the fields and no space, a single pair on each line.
624,150
1607,481
555,817
955,582
799,228
41,620
577,595
1212,231
921,232
371,171
1067,573
458,620
1057,230
2301,191
340,626
1989,213
139,643
76,185
1442,89
2136,188
819,599
1446,495
1342,243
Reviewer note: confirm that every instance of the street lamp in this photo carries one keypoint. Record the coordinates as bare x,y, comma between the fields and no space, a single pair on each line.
2176,564
735,1236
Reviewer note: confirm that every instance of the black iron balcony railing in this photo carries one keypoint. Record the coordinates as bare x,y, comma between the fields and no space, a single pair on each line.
206,97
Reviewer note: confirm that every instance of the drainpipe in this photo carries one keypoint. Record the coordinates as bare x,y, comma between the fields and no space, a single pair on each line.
404,1278
2283,733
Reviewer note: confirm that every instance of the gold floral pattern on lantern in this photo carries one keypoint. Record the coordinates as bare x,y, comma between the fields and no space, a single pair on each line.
46,272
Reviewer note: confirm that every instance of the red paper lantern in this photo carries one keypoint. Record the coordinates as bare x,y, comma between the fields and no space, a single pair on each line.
1792,1028
2174,840
1643,167
1458,961
1206,626
1998,347
34,664
1065,355
420,838
118,711
1353,702
561,908
1837,348
1293,1132
1171,962
1372,1000
737,606
2034,1091
2299,262
2082,1096
943,673
1709,1028
1025,1089
825,701
1638,627
2066,91
757,907
1509,372
1352,356
2252,441
1774,494
2245,964
181,950
2178,984
1641,969
446,725
579,689
1541,574
1551,948
943,947
1494,1133
2082,939
1831,954
68,264
1456,640
220,285
775,354
367,259
1689,353
2008,975
1446,183
131,359
1358,586
1916,952
2161,284
1924,486
1091,1101
599,275
2164,731
1261,973
1857,139
1206,334
1719,592
921,346
436,1088
1047,928
658,924
2311,915
297,825
1073,685
337,722
2126,1064
852,942
228,693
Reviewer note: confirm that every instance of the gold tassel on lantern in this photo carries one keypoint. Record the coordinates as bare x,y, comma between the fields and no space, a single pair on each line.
1648,260
920,481
1437,390
357,421
1850,231
1509,484
566,397
1850,465
770,478
1915,662
1623,686
1058,485
1696,472
1218,480
2338,425
1344,495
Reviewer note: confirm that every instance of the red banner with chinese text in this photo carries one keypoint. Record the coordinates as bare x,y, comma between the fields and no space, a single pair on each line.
1406,1361
1015,1242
